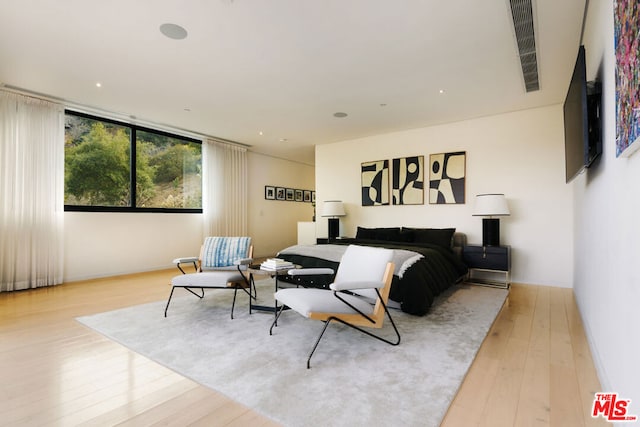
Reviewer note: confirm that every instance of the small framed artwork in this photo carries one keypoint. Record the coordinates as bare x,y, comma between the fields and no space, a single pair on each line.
299,195
290,194
269,192
307,196
280,193
447,174
313,197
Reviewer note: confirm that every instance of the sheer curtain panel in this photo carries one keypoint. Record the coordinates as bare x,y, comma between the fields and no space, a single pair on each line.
31,192
224,199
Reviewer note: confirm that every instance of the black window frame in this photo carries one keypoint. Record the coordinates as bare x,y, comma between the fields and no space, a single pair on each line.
132,169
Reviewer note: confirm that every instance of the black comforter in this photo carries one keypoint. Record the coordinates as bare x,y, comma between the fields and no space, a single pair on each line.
421,282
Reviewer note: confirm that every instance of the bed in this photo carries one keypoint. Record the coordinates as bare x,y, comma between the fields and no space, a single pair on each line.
428,261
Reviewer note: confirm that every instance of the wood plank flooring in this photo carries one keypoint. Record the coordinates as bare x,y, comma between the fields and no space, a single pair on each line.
534,367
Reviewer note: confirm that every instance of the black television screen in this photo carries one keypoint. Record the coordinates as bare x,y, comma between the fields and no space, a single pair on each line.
582,143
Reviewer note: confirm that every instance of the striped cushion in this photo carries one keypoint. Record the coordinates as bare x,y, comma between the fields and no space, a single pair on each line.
224,251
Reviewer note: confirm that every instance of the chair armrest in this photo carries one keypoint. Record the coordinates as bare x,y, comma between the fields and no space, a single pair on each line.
347,286
310,271
185,260
244,261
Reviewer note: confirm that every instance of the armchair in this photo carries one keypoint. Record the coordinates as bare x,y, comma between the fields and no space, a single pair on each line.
222,264
357,298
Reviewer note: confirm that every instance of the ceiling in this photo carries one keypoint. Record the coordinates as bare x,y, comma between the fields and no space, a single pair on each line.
270,74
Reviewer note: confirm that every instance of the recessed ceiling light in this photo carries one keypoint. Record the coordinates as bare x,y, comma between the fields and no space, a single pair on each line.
441,91
173,31
283,139
260,133
98,84
340,115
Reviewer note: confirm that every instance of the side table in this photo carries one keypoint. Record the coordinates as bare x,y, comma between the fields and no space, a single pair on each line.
487,262
255,269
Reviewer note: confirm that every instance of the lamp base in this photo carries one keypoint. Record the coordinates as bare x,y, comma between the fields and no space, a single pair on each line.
334,228
490,232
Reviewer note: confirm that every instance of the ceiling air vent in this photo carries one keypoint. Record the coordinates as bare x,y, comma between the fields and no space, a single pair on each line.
522,14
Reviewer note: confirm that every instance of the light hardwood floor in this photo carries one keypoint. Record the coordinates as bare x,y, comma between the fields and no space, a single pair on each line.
534,368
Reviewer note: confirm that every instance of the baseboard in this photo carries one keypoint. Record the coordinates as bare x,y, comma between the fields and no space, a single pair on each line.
119,273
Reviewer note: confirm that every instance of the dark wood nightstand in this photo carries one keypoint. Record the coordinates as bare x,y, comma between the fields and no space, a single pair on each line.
486,263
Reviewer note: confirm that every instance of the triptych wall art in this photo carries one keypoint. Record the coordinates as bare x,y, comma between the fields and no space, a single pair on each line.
626,39
405,180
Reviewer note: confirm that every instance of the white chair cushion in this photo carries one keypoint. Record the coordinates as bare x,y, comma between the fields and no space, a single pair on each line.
213,279
363,263
305,301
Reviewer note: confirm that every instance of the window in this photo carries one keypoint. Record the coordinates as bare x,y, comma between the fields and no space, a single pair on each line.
112,166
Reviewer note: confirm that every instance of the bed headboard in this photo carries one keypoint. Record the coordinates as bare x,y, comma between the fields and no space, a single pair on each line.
458,242
446,237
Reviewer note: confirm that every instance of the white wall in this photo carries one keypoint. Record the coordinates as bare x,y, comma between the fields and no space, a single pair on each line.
520,154
101,244
106,244
607,202
273,224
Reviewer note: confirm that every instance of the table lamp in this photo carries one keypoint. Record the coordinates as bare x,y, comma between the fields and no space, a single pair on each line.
491,205
333,209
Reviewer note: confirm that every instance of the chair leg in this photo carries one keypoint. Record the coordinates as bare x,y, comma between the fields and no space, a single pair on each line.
385,340
167,307
233,304
201,292
326,325
188,289
275,321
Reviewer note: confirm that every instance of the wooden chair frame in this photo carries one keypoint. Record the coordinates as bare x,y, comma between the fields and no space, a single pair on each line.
356,320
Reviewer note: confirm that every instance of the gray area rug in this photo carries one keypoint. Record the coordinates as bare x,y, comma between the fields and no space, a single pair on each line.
354,380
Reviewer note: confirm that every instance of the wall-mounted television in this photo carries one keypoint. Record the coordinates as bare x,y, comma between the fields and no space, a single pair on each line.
582,136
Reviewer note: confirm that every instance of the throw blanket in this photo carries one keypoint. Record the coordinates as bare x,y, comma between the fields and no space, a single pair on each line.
403,259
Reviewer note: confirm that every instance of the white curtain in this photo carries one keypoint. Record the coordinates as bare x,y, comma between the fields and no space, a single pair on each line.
31,192
224,192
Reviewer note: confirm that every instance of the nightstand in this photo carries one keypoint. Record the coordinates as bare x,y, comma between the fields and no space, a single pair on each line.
488,265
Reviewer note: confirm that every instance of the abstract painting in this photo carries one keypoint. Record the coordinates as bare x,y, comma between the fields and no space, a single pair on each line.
627,50
407,186
375,183
446,178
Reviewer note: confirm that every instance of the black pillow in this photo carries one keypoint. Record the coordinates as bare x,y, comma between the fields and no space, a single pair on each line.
435,236
366,233
407,235
391,234
387,234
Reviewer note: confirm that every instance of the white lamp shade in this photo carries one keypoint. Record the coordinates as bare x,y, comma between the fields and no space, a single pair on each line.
491,205
333,208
